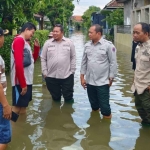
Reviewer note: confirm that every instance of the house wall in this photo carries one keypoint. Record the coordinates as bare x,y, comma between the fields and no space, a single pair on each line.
127,12
132,14
99,19
131,5
122,39
146,2
140,3
141,14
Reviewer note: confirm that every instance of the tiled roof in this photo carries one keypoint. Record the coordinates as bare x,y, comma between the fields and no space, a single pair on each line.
114,3
77,18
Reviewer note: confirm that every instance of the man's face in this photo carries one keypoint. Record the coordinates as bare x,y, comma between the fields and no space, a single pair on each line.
138,34
1,41
29,34
57,34
93,35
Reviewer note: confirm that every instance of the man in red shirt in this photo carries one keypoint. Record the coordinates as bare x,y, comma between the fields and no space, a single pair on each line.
22,76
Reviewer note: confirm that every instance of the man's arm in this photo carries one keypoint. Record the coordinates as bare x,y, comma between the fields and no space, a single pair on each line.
44,59
112,61
18,47
73,58
36,49
83,69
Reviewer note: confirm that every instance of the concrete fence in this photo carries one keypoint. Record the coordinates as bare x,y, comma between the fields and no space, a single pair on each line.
123,36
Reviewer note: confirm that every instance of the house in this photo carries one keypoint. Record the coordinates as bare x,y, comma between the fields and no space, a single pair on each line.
136,11
39,19
77,20
98,18
113,4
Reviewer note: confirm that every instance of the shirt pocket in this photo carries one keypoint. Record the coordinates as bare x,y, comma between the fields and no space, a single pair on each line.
51,51
144,62
101,55
65,51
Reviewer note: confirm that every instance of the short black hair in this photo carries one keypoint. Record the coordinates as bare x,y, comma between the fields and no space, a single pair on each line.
98,28
145,27
28,26
60,26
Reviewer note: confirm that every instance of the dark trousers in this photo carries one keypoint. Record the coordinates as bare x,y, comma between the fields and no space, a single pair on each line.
58,87
142,104
99,98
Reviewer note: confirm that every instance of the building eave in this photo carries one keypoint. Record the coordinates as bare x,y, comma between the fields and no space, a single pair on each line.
122,1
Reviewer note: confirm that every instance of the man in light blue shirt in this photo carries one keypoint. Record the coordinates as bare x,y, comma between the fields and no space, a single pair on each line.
99,66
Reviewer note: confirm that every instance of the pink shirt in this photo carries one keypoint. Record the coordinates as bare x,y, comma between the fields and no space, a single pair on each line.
58,59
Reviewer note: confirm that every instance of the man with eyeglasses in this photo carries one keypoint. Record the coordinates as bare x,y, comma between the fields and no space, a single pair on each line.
58,60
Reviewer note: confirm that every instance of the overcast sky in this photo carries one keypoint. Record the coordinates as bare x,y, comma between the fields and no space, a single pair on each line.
83,5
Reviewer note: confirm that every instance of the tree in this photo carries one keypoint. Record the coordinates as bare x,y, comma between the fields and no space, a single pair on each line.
87,15
115,17
60,12
16,12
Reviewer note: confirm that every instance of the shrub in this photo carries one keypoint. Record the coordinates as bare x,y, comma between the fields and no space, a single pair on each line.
6,49
109,38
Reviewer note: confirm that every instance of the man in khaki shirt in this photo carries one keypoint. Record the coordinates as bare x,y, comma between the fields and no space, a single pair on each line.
58,60
141,84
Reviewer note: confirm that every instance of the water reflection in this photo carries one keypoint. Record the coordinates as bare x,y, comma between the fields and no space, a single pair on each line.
75,127
143,139
97,134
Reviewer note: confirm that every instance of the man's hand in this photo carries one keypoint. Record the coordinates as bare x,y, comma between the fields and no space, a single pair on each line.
44,76
24,90
3,70
83,83
110,82
36,42
7,112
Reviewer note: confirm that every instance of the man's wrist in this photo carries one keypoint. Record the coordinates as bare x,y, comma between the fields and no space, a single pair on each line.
111,79
4,106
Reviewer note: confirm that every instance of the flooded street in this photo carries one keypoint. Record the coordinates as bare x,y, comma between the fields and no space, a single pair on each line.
52,126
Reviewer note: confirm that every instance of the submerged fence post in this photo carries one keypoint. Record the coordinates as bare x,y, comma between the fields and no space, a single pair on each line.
115,33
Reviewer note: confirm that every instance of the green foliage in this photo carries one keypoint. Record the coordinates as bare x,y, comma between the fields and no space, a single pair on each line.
17,12
109,37
115,17
5,51
60,11
87,15
41,35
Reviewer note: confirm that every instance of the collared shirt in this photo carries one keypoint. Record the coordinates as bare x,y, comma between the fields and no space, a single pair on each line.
99,62
58,59
142,71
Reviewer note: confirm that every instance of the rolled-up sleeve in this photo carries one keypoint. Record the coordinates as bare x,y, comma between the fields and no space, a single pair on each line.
112,61
84,63
44,59
73,58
